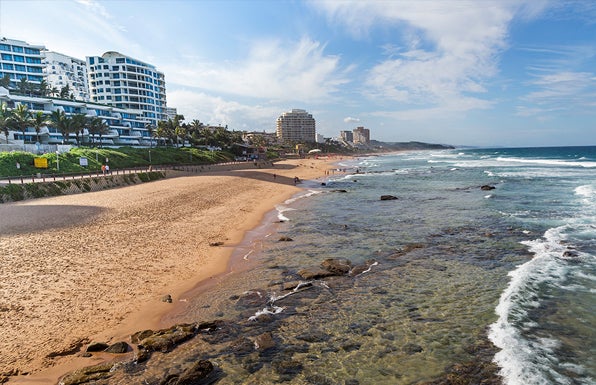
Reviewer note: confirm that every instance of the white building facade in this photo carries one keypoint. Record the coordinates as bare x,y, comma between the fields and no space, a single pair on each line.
125,82
21,60
63,70
296,126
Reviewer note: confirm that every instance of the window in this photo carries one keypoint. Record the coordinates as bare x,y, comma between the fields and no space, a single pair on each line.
31,51
7,57
19,67
4,47
33,60
115,68
17,49
8,66
18,58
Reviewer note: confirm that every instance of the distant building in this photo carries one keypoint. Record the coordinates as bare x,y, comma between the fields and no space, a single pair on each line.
124,82
171,112
296,126
348,136
62,70
361,135
21,60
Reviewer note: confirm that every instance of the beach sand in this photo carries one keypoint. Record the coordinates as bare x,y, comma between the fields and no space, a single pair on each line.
95,266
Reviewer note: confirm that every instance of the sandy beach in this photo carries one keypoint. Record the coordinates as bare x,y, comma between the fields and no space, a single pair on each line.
96,266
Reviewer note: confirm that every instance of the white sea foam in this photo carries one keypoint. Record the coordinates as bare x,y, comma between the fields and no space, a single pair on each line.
525,361
549,162
266,310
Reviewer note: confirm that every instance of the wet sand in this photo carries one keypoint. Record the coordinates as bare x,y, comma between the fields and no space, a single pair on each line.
95,266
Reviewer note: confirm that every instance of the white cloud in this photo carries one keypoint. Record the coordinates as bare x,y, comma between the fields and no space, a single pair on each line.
217,110
299,72
442,53
351,120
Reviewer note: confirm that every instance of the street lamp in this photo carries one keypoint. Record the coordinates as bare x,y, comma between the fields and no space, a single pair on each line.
57,160
149,156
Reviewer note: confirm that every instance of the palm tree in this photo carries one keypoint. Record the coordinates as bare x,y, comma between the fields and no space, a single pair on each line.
39,119
4,119
20,119
5,81
151,129
64,92
23,86
63,123
161,131
54,91
79,121
97,126
43,88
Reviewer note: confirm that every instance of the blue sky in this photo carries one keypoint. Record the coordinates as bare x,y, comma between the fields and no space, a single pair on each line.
483,73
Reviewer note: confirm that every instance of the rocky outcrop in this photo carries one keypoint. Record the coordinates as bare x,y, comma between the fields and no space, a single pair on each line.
487,187
388,197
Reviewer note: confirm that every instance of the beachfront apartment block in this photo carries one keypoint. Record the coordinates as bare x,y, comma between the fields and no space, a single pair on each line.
124,82
125,127
361,135
296,126
63,71
20,60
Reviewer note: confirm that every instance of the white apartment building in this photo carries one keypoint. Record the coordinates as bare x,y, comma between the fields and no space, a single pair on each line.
21,60
296,126
124,82
62,70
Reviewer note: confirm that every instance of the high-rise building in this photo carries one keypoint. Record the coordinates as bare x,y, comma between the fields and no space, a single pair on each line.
62,71
21,60
125,82
296,126
361,135
348,136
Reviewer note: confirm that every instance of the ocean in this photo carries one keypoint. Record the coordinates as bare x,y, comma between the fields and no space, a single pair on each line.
483,268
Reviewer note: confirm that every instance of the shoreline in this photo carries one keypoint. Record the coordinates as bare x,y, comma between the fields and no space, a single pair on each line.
148,310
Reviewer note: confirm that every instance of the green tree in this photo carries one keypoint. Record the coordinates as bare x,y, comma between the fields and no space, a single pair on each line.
4,119
63,124
54,91
97,126
20,119
79,122
65,92
39,119
151,130
43,88
23,86
5,81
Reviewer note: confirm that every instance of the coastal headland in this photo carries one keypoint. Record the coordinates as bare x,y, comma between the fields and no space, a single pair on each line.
97,266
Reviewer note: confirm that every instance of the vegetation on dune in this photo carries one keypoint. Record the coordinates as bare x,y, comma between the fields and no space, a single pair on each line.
125,157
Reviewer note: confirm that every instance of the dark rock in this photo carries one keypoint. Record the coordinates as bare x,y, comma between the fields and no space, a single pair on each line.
412,348
251,299
285,239
118,348
571,254
314,273
264,341
487,187
351,346
242,346
88,374
142,355
252,365
314,336
294,284
166,298
352,382
379,290
97,347
287,368
340,191
197,373
139,336
214,244
339,266
388,197
167,339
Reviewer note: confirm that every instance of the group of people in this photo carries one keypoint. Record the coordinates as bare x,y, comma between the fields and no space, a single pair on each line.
105,169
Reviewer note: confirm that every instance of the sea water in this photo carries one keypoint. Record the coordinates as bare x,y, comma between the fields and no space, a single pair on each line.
503,275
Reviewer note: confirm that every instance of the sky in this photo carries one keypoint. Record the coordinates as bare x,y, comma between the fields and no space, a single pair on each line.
475,73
